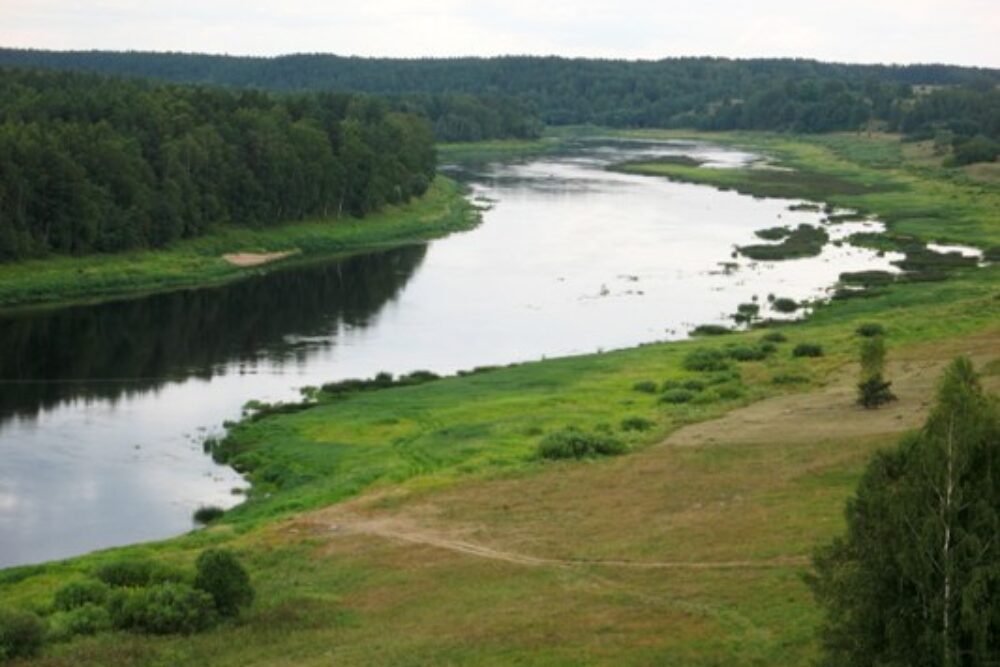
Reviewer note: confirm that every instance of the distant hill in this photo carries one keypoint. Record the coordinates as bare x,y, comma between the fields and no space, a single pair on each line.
707,93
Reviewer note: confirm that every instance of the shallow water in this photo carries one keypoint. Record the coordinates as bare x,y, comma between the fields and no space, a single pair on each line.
103,408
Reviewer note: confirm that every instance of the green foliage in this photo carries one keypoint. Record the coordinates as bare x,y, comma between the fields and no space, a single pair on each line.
169,608
645,386
774,337
710,330
870,330
773,233
637,424
572,443
803,241
208,513
706,359
21,634
913,581
676,396
86,619
132,176
785,305
78,593
222,576
747,352
134,573
873,389
807,350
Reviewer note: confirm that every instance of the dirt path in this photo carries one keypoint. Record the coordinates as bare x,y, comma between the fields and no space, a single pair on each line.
399,529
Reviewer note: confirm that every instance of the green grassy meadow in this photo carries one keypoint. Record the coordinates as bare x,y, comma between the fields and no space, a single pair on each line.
398,526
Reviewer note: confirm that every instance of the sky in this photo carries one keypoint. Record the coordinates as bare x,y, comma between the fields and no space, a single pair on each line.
963,32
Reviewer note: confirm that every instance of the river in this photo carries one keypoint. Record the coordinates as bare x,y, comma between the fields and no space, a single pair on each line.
103,408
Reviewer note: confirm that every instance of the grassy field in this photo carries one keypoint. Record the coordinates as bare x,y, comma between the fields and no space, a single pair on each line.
198,262
416,525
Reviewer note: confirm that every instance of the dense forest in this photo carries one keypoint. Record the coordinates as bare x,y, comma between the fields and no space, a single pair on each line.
959,104
92,163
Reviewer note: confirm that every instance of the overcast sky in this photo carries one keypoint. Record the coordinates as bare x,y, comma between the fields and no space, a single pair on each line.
965,32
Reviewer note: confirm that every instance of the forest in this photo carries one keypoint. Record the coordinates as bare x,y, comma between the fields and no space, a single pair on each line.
94,163
957,105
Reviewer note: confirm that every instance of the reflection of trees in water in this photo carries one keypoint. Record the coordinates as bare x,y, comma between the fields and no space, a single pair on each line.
136,346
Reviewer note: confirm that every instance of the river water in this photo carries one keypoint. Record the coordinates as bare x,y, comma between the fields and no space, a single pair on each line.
103,408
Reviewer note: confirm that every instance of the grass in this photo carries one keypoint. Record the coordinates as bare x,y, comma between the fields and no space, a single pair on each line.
497,149
198,262
456,458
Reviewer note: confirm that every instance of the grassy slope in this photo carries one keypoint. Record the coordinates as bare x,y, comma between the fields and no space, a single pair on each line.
456,455
198,262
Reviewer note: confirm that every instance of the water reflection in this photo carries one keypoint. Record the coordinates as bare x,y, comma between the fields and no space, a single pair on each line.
131,347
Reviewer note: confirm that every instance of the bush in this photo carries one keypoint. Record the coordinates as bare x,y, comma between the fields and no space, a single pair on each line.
874,392
135,573
774,337
208,514
722,377
636,424
87,619
21,634
572,443
746,353
693,385
78,593
676,396
220,575
703,359
870,330
170,608
785,305
711,330
807,350
645,386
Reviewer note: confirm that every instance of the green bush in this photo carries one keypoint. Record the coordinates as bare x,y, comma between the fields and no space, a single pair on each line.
785,305
767,348
729,392
78,593
693,385
774,337
722,377
645,386
21,634
170,608
672,384
746,353
807,350
208,513
711,330
135,573
704,359
870,330
636,424
572,443
86,619
220,575
676,396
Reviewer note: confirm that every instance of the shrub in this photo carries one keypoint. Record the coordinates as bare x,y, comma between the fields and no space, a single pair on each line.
572,443
870,330
774,337
220,575
645,386
767,348
21,634
208,514
672,384
170,608
746,353
78,593
807,350
785,305
693,385
711,330
87,619
135,573
723,377
676,396
703,359
636,424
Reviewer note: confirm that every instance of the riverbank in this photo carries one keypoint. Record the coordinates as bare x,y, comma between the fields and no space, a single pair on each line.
417,525
201,262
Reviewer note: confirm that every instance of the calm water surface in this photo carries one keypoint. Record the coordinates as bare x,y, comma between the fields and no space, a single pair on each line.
103,408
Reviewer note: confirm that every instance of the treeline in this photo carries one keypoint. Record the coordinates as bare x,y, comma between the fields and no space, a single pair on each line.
90,163
704,93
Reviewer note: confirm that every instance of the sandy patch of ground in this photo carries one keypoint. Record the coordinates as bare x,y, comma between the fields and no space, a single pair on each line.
250,259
